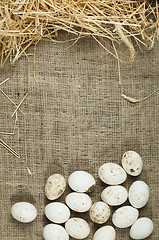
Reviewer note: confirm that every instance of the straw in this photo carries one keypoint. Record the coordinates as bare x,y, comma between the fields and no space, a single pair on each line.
25,22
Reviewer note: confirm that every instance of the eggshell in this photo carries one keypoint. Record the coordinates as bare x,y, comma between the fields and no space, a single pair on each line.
105,233
138,194
77,228
125,216
132,163
112,173
114,195
81,181
57,212
24,212
79,202
55,232
55,186
142,228
99,212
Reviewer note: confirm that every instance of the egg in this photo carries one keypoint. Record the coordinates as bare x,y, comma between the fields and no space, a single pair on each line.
79,202
81,181
57,212
112,173
99,212
125,216
114,195
55,232
105,233
24,212
138,194
142,228
132,163
77,228
55,186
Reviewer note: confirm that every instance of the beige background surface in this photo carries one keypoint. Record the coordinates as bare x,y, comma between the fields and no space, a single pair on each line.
76,119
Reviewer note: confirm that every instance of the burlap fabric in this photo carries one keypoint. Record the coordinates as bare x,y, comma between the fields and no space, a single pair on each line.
76,119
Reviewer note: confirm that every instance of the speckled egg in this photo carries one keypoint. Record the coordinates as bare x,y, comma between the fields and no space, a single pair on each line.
112,173
57,212
132,163
24,212
55,232
142,228
125,216
105,233
99,212
55,186
81,181
79,202
77,228
114,195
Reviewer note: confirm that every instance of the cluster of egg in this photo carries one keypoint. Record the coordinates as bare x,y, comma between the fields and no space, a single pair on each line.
81,183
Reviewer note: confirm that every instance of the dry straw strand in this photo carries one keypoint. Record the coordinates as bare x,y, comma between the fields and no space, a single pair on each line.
14,127
17,108
134,100
11,150
26,22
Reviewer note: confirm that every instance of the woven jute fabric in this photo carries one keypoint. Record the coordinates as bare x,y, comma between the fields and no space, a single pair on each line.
76,119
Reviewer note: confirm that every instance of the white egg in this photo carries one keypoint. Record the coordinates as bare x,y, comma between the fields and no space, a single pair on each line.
24,212
77,228
79,202
138,194
81,181
105,233
125,216
114,195
57,212
112,173
55,186
132,163
142,228
55,232
99,212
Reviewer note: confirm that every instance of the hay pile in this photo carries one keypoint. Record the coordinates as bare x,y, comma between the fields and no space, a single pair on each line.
24,22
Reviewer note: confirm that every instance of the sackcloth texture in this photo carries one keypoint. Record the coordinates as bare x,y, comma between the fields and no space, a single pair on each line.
76,119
